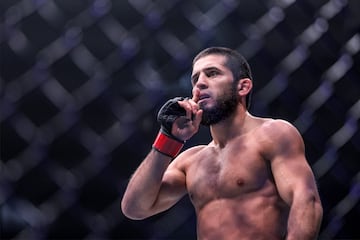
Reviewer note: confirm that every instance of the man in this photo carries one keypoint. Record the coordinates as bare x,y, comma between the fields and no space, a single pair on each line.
251,181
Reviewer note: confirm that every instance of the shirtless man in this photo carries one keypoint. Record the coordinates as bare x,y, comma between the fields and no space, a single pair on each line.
252,181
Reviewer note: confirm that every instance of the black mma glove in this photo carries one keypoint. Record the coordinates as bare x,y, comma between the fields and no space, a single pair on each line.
168,113
165,142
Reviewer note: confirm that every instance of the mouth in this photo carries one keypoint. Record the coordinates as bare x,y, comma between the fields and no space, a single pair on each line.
203,97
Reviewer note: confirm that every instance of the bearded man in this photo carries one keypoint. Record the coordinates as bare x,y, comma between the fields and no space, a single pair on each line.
252,181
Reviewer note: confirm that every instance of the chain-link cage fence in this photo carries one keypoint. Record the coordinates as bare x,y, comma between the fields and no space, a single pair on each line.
81,83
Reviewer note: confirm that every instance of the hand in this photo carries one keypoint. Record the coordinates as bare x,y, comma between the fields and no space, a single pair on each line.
180,117
184,127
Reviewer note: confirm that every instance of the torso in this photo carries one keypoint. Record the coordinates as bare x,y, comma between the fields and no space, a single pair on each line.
233,191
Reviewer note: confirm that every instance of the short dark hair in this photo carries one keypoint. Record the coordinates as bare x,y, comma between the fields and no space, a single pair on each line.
237,64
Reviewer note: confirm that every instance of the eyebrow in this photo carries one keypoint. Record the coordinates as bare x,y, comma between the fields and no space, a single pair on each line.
207,69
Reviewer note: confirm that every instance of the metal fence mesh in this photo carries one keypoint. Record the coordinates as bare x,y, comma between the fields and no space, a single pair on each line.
81,83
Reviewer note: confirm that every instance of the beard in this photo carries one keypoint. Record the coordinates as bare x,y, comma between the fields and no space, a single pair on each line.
224,107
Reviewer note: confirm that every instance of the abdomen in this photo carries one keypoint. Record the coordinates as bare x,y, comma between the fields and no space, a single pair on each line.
246,217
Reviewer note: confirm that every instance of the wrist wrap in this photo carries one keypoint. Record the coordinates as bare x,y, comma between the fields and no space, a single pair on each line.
167,145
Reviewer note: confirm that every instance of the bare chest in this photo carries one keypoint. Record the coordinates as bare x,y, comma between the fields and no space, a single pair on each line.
226,174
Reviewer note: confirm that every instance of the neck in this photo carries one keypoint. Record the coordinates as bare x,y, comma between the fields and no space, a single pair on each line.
235,125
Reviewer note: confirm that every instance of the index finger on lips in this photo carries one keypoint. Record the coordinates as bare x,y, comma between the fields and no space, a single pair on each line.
196,93
194,106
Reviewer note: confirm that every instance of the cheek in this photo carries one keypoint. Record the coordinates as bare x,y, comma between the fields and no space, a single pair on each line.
225,91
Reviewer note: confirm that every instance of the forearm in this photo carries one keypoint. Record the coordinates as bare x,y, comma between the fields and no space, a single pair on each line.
155,186
144,186
304,220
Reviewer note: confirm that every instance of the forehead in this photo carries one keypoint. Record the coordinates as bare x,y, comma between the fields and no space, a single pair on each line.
214,60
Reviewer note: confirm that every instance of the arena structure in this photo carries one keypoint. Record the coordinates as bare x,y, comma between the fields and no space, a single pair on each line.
81,83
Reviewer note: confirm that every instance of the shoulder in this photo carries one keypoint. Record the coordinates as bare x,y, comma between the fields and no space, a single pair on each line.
280,137
188,156
278,129
193,150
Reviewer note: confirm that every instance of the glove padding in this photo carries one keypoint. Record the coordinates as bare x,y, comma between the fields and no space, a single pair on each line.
168,113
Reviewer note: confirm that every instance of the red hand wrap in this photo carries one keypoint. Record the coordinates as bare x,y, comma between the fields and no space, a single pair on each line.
167,145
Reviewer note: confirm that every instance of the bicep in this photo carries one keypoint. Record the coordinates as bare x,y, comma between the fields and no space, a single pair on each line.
172,189
292,173
293,177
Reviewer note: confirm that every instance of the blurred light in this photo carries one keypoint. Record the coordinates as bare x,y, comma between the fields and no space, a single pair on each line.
113,30
149,77
13,15
129,47
285,3
64,178
18,41
54,91
353,45
276,86
320,95
230,3
51,13
153,19
344,133
339,68
269,20
327,160
294,59
174,46
330,9
25,128
276,14
73,36
355,110
83,58
101,7
314,31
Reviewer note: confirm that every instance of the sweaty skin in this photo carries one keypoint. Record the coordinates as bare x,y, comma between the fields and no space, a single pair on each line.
232,187
252,181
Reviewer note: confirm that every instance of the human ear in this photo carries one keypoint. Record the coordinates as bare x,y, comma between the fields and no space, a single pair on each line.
244,87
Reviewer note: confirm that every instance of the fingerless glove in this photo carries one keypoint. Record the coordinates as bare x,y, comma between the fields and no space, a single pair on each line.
165,142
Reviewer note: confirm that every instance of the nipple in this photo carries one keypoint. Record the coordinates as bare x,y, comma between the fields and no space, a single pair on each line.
240,182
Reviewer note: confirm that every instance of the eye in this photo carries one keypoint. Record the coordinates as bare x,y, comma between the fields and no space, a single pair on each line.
194,79
212,73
